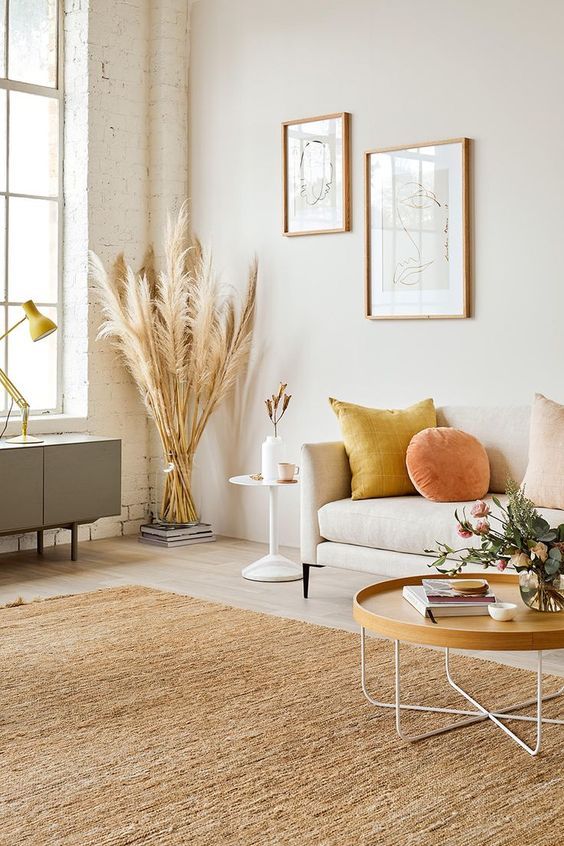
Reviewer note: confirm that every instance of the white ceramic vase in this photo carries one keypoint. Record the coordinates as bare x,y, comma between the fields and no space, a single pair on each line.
272,454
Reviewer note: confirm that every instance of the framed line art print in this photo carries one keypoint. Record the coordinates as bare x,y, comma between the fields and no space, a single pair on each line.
316,175
418,231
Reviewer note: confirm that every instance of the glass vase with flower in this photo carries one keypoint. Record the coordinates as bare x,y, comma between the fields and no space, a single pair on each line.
513,536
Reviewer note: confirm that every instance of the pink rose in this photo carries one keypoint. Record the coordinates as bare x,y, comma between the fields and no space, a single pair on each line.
482,527
501,563
480,509
464,533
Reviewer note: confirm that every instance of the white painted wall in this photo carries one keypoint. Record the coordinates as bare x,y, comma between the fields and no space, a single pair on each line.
407,72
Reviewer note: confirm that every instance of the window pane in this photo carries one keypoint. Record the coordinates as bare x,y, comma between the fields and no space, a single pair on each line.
32,48
34,142
32,250
32,366
3,100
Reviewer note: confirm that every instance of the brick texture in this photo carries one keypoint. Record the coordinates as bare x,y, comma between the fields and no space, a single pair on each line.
126,105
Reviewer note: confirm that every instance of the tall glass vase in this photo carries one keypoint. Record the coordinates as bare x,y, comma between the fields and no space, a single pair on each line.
176,500
541,594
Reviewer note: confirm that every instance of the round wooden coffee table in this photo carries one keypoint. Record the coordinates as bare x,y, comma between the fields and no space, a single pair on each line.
381,608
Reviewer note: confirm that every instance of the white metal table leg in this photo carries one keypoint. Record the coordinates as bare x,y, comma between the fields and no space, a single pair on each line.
273,567
404,707
414,737
273,520
479,715
532,750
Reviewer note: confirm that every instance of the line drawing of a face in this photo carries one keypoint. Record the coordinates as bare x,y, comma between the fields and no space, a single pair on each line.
416,196
315,172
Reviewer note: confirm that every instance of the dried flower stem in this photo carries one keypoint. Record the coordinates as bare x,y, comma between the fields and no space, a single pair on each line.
185,342
277,404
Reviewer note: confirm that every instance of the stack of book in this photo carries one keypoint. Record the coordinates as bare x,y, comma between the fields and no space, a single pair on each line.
436,598
175,534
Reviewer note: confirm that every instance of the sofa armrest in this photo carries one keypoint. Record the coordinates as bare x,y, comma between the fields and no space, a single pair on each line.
325,476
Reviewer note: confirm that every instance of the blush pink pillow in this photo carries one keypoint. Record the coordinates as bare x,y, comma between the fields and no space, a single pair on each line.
447,465
544,479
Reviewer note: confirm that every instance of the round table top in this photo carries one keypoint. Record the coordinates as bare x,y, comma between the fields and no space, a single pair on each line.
263,483
381,608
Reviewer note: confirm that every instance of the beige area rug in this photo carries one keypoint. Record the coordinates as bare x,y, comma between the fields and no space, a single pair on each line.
132,716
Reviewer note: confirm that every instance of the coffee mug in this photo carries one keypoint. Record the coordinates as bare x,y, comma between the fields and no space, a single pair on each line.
286,472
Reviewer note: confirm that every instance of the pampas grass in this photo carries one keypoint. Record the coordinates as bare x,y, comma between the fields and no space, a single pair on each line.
186,342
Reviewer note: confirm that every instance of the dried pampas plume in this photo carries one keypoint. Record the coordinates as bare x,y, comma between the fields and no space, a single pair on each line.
186,341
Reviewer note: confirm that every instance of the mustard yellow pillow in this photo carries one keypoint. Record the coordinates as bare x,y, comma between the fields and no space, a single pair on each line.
376,442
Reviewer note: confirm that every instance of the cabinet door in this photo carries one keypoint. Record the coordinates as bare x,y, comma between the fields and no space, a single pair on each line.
82,482
21,488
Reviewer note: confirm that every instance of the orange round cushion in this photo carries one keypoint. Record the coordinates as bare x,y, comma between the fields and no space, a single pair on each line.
447,465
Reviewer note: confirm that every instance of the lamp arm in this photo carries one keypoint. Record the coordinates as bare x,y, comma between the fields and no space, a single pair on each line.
11,329
16,396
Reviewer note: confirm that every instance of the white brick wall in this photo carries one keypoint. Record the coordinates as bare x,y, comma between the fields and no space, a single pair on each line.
126,165
137,172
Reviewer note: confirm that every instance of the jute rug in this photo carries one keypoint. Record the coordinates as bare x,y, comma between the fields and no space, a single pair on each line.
132,716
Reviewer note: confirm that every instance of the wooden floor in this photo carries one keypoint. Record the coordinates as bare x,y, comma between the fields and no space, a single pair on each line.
209,571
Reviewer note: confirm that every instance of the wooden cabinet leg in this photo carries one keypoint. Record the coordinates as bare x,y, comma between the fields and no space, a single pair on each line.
74,542
40,542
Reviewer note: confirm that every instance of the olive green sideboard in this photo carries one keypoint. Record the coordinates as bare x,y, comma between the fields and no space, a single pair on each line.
60,483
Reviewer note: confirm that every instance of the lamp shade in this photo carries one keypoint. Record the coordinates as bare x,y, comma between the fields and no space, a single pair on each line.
39,325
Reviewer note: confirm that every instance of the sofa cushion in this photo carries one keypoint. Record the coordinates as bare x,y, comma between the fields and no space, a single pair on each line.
407,524
504,432
447,465
544,479
376,442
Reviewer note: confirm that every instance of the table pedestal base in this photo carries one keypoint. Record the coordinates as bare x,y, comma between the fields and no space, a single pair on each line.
273,568
479,713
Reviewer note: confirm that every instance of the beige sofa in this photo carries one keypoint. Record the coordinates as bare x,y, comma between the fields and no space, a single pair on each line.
387,536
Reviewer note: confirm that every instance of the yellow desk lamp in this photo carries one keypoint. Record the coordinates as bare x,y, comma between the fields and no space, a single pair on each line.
39,327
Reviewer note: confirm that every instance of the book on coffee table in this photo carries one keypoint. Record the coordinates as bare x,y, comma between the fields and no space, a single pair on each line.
439,590
458,607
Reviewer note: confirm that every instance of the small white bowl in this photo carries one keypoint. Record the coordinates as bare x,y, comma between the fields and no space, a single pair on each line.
502,611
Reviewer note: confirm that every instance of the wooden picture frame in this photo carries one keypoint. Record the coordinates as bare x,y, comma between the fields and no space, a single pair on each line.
417,231
316,175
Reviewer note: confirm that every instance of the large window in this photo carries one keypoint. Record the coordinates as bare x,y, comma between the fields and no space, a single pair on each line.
31,117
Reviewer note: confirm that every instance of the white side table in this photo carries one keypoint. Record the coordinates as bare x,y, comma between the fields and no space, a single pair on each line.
273,567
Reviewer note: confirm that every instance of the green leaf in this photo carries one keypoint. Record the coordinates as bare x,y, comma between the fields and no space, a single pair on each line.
497,502
555,553
549,536
551,566
561,532
540,525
